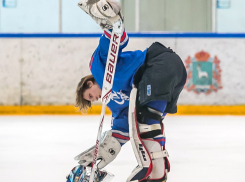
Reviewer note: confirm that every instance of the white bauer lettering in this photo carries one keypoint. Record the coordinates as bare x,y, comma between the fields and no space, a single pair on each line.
112,58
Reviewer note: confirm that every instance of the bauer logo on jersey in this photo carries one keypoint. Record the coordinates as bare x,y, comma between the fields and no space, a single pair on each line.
203,73
148,90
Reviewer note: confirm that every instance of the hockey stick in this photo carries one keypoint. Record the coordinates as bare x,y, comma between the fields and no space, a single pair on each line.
108,82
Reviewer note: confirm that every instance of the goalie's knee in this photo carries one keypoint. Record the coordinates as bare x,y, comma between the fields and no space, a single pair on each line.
150,122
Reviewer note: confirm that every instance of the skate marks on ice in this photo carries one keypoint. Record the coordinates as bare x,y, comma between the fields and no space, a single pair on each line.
201,148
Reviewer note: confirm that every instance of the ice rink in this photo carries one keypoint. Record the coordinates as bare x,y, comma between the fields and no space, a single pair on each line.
42,148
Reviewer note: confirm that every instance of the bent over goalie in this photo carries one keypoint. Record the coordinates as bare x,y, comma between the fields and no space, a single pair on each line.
146,87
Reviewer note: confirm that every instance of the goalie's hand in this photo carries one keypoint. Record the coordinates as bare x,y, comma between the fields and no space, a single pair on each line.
108,150
102,11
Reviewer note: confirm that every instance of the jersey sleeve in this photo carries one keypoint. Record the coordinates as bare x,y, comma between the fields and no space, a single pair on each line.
120,128
102,49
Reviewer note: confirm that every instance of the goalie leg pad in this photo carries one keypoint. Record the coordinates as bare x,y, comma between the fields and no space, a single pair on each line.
108,150
150,154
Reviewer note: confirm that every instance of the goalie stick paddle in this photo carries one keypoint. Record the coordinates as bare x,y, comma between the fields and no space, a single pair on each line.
108,82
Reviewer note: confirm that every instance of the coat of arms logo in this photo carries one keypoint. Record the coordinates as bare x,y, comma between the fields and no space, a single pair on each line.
203,73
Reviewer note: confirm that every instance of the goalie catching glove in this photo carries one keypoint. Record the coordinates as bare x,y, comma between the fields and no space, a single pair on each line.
108,150
103,12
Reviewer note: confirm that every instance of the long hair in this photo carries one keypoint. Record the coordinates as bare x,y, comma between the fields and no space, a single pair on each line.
82,103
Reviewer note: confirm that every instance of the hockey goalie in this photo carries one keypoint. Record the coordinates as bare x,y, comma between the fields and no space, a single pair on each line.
146,87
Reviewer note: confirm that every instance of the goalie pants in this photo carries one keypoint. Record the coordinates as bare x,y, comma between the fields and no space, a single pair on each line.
161,77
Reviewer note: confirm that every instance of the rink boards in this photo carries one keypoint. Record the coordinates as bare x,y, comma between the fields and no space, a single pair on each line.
43,70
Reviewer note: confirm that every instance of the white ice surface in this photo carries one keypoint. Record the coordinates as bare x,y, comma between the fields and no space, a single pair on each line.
42,148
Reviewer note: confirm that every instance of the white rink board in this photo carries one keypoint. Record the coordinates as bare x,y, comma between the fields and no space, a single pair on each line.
231,54
10,71
42,148
45,71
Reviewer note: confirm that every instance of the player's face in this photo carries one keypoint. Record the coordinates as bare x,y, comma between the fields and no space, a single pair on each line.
93,93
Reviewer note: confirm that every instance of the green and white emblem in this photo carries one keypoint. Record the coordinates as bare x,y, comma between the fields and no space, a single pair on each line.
203,73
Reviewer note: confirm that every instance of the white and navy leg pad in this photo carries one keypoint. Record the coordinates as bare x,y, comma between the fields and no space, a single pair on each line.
144,167
149,153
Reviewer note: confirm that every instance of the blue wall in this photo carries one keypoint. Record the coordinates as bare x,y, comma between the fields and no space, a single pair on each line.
32,16
233,18
75,20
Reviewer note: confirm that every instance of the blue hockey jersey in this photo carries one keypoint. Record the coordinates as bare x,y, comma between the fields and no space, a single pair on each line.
127,65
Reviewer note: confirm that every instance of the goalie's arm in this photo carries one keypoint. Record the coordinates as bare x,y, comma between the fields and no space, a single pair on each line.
103,47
